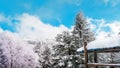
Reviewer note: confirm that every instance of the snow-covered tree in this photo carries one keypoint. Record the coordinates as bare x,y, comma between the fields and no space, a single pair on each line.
64,41
68,43
3,59
45,54
65,51
61,50
82,30
19,54
82,33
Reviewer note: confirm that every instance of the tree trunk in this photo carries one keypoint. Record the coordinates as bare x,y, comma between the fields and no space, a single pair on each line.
85,54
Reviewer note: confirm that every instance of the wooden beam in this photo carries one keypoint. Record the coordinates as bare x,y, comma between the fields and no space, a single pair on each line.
106,50
103,64
95,58
85,54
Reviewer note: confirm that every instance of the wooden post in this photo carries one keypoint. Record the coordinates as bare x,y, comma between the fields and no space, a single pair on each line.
85,54
95,58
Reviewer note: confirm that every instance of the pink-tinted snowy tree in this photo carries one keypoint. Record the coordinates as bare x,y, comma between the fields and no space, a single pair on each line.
19,54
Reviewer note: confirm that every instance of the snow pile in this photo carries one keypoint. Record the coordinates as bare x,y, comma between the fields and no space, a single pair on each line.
108,42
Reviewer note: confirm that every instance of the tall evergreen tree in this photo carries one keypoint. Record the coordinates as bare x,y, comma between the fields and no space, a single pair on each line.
68,43
45,55
82,30
61,50
82,33
65,51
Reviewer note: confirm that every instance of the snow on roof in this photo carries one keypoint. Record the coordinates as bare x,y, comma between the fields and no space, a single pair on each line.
108,42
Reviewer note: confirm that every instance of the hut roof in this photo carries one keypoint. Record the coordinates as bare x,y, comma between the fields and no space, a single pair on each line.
103,44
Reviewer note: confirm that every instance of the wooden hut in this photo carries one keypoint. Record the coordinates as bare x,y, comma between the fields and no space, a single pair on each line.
103,45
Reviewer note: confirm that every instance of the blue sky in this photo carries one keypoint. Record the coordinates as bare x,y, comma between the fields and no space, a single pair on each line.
57,12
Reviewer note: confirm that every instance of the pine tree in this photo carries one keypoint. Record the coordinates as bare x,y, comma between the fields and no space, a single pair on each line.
46,58
65,51
62,50
82,30
68,43
45,55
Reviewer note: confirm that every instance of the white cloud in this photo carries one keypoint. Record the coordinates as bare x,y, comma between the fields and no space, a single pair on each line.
101,23
32,27
102,34
115,27
1,30
73,2
6,19
106,1
92,26
99,26
113,3
2,18
27,6
96,24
